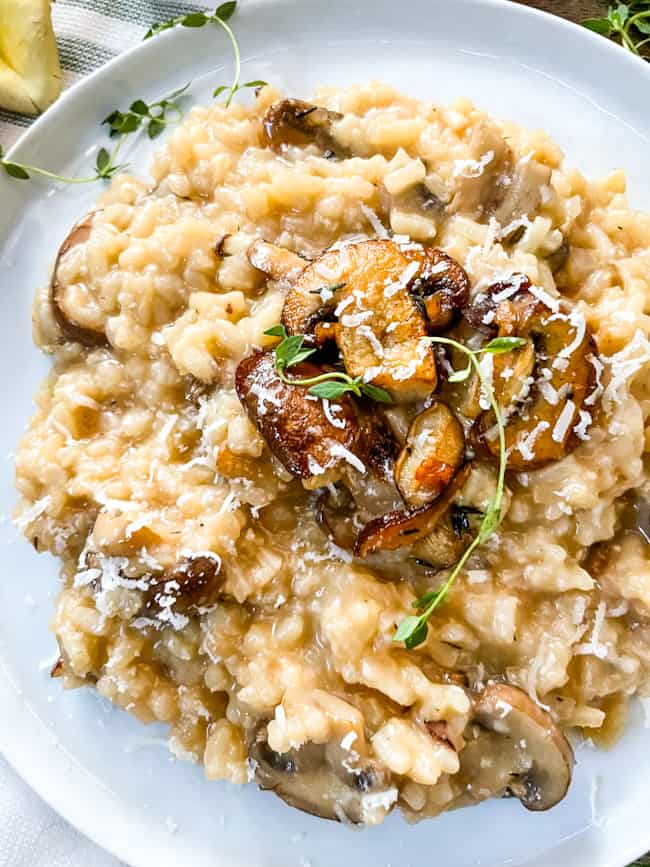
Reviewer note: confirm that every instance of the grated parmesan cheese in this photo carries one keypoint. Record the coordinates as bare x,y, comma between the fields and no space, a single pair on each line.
526,445
563,423
339,451
352,320
594,647
32,513
367,332
330,411
580,429
472,168
377,225
545,297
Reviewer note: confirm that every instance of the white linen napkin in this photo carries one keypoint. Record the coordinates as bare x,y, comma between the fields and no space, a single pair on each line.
33,835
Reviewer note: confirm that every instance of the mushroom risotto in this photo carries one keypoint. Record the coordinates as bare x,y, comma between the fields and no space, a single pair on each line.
343,452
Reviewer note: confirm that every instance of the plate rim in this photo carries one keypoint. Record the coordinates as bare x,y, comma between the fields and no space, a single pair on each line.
13,747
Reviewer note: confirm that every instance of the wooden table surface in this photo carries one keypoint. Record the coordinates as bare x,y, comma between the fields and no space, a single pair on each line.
576,10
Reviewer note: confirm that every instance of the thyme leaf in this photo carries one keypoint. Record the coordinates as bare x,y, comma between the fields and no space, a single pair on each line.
221,15
330,385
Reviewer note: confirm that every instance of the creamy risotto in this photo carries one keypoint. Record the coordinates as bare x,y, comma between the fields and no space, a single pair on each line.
245,518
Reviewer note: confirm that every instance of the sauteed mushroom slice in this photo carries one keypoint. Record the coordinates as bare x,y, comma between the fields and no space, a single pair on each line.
381,333
193,583
542,430
276,262
65,317
414,211
442,286
520,751
522,196
403,527
434,450
478,185
325,780
445,545
294,423
512,374
295,122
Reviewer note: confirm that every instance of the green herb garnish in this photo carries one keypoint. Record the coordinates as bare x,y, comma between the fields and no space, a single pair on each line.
330,385
627,22
106,166
221,15
414,628
153,115
498,346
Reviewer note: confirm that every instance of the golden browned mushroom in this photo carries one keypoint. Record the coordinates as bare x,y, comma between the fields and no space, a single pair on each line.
434,450
519,750
64,315
305,436
402,527
542,429
441,285
294,122
444,546
381,332
325,780
276,262
193,583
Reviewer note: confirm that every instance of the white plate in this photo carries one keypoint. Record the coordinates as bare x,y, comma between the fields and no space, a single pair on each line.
99,767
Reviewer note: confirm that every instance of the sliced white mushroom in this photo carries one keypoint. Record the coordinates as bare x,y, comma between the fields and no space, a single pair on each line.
325,780
478,182
519,750
522,195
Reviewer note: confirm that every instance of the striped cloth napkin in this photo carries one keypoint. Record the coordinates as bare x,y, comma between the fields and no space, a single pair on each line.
91,32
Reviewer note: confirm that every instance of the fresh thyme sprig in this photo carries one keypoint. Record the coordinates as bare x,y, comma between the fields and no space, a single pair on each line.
153,115
106,166
221,15
413,630
330,385
627,22
122,124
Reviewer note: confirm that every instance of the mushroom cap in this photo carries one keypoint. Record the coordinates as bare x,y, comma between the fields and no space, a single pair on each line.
523,751
442,286
295,122
294,424
70,329
325,780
